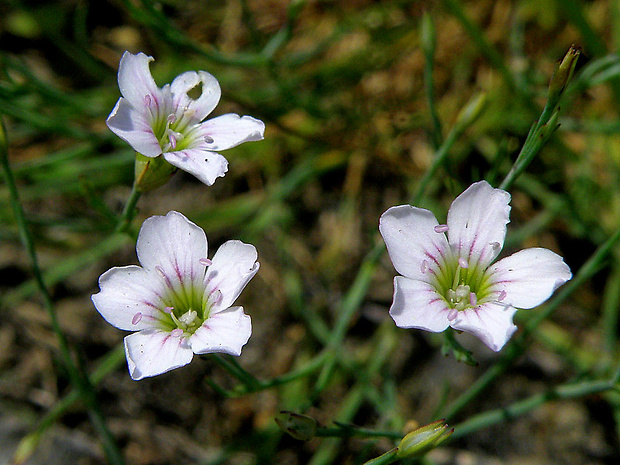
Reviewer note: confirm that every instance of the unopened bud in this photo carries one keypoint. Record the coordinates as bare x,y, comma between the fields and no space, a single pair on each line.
299,426
563,74
423,439
471,111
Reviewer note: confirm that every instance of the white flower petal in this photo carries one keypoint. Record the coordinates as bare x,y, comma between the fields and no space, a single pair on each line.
529,277
418,305
125,292
136,83
174,245
226,332
415,249
489,322
201,81
477,222
228,131
206,166
233,265
133,127
152,352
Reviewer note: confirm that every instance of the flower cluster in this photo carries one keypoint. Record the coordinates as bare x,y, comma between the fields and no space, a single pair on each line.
448,277
169,121
178,302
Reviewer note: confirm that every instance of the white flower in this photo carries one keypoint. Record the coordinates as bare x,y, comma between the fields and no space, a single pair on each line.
178,301
450,281
168,121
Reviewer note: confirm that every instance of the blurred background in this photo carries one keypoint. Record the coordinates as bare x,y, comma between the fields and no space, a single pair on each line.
357,97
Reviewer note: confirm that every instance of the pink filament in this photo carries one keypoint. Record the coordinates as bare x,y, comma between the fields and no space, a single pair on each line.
136,318
441,228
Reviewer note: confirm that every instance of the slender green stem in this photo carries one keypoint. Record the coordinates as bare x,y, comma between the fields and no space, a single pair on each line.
79,380
129,211
571,391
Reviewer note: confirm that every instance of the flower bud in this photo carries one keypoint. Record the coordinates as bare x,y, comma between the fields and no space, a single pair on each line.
150,173
423,439
563,74
299,426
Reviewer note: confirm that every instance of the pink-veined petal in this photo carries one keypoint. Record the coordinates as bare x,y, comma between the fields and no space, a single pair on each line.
228,131
489,322
529,277
477,222
198,108
226,332
134,128
136,83
206,166
418,305
172,245
152,352
128,291
416,250
232,267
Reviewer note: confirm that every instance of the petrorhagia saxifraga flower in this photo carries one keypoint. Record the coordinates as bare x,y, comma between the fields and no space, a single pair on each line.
169,121
448,278
178,301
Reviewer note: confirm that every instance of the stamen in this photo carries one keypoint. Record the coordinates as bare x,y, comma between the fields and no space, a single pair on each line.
495,245
209,139
160,270
173,141
424,266
473,299
502,296
171,118
176,332
441,228
136,318
463,263
452,314
205,262
147,100
168,310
